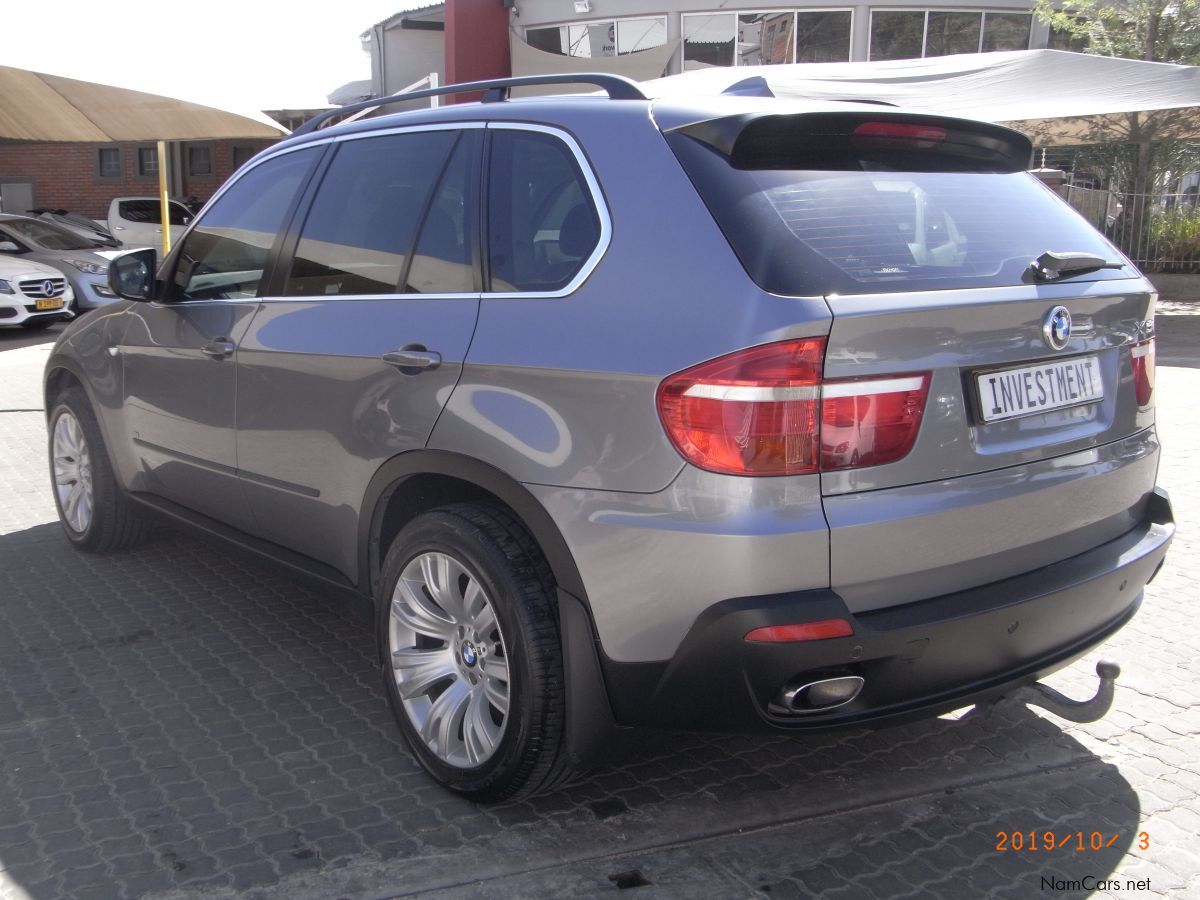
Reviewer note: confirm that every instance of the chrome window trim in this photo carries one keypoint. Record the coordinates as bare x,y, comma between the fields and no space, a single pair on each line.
315,298
321,142
589,177
598,203
351,298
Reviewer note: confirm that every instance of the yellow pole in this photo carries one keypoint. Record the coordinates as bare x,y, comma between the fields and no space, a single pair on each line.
165,214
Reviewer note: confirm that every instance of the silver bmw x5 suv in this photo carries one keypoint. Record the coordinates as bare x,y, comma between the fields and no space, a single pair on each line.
730,413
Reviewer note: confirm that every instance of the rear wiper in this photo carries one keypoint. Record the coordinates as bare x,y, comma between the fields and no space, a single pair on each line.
1050,265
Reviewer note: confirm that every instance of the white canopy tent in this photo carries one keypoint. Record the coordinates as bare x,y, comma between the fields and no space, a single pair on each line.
1056,97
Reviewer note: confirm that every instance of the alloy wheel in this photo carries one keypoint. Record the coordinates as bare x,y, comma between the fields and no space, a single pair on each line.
449,659
72,472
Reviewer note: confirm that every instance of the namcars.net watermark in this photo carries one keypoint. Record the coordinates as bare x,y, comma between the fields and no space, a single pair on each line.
1089,883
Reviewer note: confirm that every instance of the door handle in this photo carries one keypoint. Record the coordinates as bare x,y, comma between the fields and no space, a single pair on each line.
218,349
414,359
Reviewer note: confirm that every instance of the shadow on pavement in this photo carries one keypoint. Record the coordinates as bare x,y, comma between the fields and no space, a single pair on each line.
179,717
1178,339
14,338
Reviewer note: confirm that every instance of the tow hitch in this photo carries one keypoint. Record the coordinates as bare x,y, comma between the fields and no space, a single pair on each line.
1038,694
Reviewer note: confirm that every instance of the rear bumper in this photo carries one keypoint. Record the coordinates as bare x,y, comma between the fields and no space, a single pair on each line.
916,659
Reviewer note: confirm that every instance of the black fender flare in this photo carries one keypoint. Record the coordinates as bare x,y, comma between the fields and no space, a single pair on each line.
454,465
72,366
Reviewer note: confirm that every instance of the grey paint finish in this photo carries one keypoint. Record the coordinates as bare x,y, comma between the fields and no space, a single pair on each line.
895,546
561,391
558,393
178,408
956,333
653,562
319,411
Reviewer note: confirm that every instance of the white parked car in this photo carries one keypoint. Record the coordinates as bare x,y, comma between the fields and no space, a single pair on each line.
33,295
137,221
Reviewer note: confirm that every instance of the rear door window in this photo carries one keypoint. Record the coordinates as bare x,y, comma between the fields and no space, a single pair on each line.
360,229
542,224
443,261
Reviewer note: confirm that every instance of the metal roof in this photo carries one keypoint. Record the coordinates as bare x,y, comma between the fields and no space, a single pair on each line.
39,107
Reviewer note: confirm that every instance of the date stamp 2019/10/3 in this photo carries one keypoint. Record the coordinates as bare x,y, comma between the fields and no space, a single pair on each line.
1067,841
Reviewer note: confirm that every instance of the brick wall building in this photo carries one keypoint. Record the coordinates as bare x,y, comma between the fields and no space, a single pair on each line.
84,177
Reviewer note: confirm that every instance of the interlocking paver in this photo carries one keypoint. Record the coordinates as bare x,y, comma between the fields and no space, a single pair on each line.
184,719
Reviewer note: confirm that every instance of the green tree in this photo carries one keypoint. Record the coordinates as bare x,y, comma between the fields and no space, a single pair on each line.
1142,149
1150,30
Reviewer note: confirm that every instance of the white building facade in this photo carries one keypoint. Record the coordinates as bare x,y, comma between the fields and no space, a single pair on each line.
743,32
602,35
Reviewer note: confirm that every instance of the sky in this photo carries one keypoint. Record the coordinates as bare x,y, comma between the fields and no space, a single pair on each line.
239,55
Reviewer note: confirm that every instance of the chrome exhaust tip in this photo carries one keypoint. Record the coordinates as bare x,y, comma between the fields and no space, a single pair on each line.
808,697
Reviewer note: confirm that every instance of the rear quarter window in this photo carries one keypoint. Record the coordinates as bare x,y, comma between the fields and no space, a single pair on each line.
542,225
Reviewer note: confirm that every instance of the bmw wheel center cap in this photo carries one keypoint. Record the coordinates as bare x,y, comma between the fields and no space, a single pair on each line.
470,655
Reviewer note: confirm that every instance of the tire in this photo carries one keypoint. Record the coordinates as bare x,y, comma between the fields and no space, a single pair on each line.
95,514
471,658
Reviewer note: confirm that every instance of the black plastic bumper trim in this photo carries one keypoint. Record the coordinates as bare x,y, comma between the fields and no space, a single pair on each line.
917,659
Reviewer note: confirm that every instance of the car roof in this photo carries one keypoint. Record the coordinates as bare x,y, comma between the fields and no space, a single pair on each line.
666,113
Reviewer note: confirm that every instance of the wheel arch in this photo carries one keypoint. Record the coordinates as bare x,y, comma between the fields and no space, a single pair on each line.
409,484
61,374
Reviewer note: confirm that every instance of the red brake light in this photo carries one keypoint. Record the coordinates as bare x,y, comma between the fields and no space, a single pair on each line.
805,631
767,411
900,134
1142,357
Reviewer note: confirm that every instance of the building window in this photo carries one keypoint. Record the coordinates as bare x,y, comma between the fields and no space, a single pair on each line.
108,162
242,153
611,37
147,158
765,38
1005,31
709,41
199,159
823,36
908,34
952,32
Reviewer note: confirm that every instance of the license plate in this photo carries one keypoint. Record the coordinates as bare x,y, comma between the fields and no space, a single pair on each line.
1024,391
55,303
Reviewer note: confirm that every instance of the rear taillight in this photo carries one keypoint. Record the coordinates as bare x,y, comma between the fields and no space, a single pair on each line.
869,422
1142,357
753,412
767,411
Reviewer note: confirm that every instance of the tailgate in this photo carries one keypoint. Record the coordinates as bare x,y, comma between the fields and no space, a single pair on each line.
983,496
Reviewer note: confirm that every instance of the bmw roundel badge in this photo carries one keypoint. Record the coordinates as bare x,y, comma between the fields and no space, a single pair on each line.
1056,330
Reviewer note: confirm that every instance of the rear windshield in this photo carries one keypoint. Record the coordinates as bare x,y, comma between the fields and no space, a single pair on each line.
808,233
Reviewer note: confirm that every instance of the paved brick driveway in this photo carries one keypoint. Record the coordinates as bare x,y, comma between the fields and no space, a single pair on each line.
181,721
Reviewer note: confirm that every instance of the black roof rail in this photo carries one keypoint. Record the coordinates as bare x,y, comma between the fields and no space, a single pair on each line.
497,89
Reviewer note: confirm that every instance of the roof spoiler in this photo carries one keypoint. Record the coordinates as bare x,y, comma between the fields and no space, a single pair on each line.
862,139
